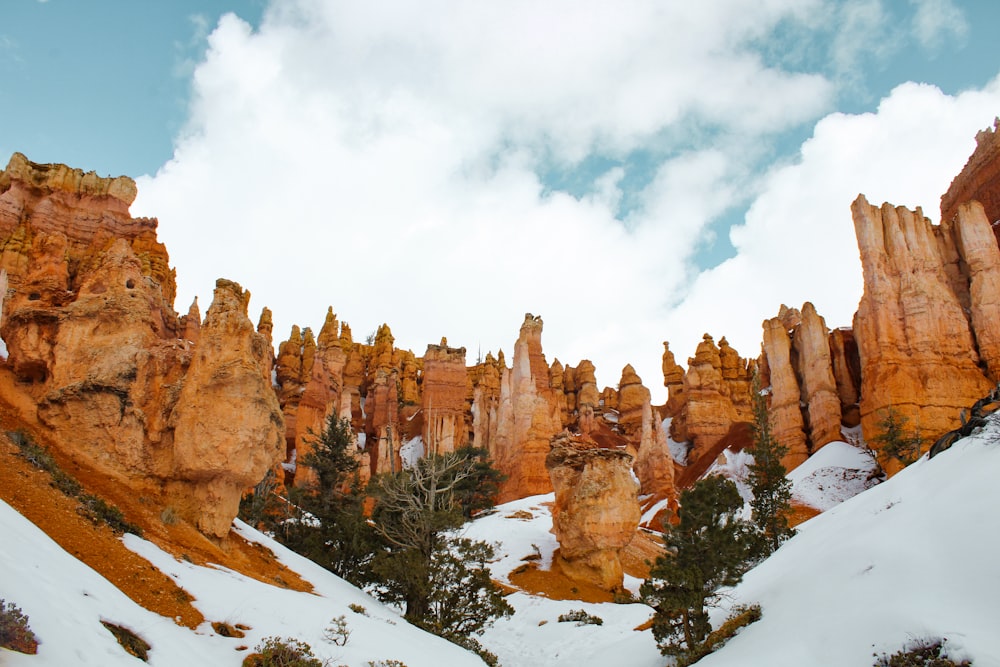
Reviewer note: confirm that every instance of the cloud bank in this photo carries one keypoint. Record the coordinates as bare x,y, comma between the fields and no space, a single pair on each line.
396,165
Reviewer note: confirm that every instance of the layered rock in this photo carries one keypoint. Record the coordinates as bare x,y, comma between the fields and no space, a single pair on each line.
978,248
444,399
528,416
596,510
917,350
846,373
228,427
712,403
94,341
88,212
787,425
979,180
633,398
818,385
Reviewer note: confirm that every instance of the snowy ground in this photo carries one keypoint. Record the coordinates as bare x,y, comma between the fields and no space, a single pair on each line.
913,557
533,636
65,601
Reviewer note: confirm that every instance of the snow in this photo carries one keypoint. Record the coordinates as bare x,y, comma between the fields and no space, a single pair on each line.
836,472
533,636
65,601
411,451
678,450
913,557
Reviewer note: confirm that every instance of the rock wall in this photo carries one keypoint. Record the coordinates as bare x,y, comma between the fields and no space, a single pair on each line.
95,344
917,350
979,180
596,510
444,406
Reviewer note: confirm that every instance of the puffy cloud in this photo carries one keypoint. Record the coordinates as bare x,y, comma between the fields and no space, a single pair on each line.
389,161
798,243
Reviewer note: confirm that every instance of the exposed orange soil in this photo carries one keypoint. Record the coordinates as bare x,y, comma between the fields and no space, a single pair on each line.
801,514
31,493
554,584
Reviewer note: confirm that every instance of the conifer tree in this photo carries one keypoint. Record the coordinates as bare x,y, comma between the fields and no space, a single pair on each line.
710,547
895,440
772,492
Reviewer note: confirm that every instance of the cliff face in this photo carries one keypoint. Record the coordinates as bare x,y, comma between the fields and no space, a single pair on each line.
445,391
916,344
596,511
94,344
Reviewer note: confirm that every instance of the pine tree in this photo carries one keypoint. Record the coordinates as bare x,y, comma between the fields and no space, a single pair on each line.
772,492
442,581
709,548
330,527
895,440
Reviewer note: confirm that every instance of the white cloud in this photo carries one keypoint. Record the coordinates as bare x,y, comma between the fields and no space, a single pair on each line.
798,241
938,20
386,161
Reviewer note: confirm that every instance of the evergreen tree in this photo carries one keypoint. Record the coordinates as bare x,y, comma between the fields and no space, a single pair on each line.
710,547
329,527
772,492
480,489
442,581
895,440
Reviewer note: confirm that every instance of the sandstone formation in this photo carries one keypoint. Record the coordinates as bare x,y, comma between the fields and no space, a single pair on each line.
787,425
596,510
818,384
712,403
979,180
97,348
978,248
632,399
444,399
94,341
528,416
918,354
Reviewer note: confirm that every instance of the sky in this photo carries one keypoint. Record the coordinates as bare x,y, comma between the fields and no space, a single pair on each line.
634,172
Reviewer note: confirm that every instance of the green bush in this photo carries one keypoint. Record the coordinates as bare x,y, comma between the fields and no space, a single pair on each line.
920,653
15,633
580,617
277,652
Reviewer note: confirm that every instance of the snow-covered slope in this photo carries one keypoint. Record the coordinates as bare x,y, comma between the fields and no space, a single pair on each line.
914,557
66,601
917,556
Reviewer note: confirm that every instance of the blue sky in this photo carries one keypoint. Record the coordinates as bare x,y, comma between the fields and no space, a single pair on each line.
635,172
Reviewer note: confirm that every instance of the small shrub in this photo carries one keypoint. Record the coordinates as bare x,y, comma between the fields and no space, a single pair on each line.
15,633
131,642
337,632
358,609
580,617
277,652
100,511
386,663
920,653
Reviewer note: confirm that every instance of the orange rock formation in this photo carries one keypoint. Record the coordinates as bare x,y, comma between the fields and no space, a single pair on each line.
96,346
596,511
917,350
